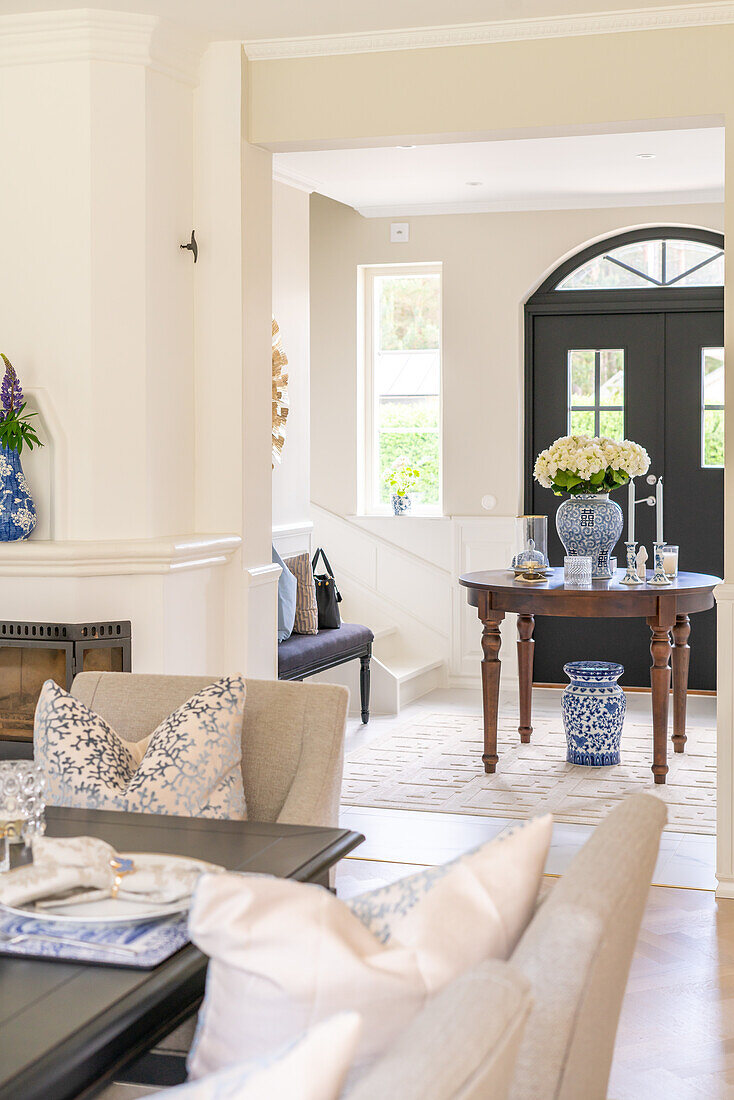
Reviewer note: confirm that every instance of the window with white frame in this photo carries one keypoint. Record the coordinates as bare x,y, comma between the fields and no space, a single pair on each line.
402,328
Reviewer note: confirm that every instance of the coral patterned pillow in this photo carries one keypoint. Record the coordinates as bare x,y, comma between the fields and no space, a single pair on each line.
190,765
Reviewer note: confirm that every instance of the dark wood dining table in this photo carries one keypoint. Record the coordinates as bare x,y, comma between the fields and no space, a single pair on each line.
67,1028
667,611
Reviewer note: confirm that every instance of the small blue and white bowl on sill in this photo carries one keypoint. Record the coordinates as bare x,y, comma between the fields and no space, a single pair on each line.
593,707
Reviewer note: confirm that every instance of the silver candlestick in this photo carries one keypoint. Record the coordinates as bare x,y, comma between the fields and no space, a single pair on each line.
631,577
659,576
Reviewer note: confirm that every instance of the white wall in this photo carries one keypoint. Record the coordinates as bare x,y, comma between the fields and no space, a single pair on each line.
491,263
291,478
95,297
152,375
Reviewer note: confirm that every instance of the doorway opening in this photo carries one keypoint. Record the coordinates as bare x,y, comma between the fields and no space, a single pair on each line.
625,339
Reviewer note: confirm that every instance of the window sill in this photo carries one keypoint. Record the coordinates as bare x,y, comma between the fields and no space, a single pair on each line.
406,515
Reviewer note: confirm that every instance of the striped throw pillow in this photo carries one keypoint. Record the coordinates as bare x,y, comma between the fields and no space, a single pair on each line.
307,612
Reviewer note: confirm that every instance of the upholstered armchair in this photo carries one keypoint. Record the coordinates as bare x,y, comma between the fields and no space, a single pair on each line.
292,736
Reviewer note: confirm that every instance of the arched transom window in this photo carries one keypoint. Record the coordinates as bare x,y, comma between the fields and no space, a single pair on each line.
649,264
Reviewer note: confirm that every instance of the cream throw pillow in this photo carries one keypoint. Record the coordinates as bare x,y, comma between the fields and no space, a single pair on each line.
312,1068
189,766
285,955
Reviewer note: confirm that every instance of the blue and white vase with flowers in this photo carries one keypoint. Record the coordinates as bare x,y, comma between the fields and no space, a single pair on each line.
588,469
401,479
17,509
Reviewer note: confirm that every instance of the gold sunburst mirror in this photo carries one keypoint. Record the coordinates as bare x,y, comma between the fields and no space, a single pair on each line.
280,394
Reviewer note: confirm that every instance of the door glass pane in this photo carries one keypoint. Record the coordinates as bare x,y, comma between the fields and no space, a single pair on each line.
644,256
650,264
582,423
712,411
611,376
713,376
596,392
681,256
713,438
582,374
602,274
710,275
611,423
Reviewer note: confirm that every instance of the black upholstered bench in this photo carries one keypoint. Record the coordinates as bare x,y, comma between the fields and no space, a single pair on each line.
304,655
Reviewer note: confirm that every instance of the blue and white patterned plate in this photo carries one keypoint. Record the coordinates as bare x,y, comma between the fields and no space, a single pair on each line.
151,942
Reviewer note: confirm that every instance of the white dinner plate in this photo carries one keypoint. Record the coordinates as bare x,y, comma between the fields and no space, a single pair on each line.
112,910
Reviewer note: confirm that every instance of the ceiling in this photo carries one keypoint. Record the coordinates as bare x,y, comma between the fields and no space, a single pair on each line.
591,170
252,19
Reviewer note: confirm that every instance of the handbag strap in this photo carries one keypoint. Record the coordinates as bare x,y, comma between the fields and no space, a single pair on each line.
321,553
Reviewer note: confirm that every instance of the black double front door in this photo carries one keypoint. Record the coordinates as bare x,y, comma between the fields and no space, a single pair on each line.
662,357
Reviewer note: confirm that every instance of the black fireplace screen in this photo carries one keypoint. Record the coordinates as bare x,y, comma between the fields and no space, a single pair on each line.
31,653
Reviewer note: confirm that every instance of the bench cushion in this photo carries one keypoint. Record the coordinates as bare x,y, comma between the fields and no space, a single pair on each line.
301,651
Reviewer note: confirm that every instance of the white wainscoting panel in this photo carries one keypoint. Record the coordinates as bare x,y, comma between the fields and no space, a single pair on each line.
479,543
292,538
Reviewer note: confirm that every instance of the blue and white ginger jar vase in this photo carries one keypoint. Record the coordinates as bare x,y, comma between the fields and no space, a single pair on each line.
589,525
593,707
17,510
401,504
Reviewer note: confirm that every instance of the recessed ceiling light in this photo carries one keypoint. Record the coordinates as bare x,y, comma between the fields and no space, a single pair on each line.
474,183
645,156
405,146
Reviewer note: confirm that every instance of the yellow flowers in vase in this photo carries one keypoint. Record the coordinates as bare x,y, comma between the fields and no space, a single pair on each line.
401,479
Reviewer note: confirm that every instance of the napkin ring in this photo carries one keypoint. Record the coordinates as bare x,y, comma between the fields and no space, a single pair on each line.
120,867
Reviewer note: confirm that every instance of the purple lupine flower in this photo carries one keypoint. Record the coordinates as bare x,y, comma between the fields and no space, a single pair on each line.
11,393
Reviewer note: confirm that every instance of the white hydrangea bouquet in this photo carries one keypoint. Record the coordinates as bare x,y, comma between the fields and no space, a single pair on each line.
577,464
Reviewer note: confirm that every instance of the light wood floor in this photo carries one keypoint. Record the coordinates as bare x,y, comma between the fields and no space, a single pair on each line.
676,1034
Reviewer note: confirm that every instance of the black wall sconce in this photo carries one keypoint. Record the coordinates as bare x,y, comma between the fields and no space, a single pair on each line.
192,246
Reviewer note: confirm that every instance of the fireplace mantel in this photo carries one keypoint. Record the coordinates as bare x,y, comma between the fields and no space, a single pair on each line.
117,557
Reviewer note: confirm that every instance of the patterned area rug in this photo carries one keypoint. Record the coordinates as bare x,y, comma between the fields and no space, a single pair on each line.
435,764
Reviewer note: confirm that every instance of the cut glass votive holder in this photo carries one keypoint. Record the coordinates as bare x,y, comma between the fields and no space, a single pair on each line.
670,561
577,571
22,804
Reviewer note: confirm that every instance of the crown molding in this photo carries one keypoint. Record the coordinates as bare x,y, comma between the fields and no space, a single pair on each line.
545,202
87,35
295,179
480,34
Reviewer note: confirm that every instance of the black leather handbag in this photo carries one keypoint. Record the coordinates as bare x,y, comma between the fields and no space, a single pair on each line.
328,596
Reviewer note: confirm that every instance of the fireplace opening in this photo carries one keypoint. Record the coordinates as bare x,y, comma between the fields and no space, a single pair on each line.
31,653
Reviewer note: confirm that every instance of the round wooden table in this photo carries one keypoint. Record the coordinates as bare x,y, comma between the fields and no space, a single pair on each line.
666,610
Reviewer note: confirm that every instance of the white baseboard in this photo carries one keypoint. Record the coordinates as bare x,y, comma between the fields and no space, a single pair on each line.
725,889
474,682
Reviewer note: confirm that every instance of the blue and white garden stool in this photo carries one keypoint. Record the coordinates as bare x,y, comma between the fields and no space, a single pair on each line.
593,707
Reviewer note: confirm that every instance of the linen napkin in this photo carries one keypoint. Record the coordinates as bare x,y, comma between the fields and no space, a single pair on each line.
61,865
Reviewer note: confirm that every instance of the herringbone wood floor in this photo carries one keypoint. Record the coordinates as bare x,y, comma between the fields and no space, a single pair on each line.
676,1033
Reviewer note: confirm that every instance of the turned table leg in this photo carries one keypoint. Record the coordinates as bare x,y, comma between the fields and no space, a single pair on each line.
681,658
525,649
660,681
491,642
